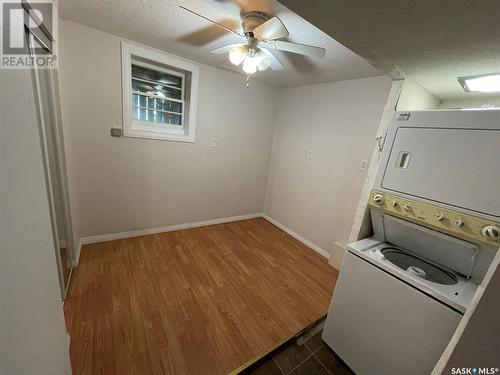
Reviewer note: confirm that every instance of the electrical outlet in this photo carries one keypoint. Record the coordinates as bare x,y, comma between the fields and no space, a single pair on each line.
309,154
363,165
213,142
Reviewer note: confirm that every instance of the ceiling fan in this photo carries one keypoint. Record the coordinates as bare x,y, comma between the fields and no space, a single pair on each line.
262,33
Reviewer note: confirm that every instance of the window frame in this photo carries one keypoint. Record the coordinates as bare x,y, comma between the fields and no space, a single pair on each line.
186,132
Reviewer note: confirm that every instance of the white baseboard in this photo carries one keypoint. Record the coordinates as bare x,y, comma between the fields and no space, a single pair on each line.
297,236
144,232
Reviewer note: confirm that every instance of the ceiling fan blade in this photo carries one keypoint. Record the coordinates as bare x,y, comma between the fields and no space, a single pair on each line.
224,49
302,49
275,64
271,29
212,21
263,6
206,35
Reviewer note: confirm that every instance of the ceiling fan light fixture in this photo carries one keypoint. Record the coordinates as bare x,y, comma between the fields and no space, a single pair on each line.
237,54
263,61
264,64
262,32
250,65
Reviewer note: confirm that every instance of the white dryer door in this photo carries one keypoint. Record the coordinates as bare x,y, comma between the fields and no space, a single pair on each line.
380,325
458,167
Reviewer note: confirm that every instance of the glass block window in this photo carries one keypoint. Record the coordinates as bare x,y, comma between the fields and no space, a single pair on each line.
159,95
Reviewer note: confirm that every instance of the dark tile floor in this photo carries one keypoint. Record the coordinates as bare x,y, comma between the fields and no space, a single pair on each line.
305,355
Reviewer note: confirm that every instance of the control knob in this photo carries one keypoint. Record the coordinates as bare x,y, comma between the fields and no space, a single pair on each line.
407,208
378,198
440,217
459,223
491,231
395,203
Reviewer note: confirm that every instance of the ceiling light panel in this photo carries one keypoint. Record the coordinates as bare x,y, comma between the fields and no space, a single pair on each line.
488,83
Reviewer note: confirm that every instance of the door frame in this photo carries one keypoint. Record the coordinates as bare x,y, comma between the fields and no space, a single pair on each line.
45,85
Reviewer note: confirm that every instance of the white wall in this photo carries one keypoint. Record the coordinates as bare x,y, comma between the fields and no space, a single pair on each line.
490,101
126,184
33,337
338,121
415,98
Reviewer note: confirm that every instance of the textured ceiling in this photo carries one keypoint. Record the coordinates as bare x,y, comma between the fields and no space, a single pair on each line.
431,41
163,25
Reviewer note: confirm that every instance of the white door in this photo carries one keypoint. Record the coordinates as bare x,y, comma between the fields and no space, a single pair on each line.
457,167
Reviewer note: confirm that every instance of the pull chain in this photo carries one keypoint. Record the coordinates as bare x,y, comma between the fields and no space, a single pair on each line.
248,81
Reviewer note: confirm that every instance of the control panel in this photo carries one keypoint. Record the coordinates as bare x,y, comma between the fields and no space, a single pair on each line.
445,220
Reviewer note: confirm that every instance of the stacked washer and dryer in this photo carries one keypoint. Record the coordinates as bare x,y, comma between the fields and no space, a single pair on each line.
435,213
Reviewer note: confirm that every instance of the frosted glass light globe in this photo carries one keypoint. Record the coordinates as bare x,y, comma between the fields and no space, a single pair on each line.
238,53
264,64
250,65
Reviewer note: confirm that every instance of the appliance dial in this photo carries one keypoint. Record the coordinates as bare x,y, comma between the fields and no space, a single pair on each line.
440,217
407,208
378,198
394,203
491,231
459,223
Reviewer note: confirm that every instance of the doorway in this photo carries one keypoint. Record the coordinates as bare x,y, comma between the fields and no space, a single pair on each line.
50,125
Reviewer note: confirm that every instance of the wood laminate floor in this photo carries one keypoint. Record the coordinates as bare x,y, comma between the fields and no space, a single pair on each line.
207,300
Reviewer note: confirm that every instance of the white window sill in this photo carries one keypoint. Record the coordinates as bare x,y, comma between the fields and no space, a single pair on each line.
163,136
